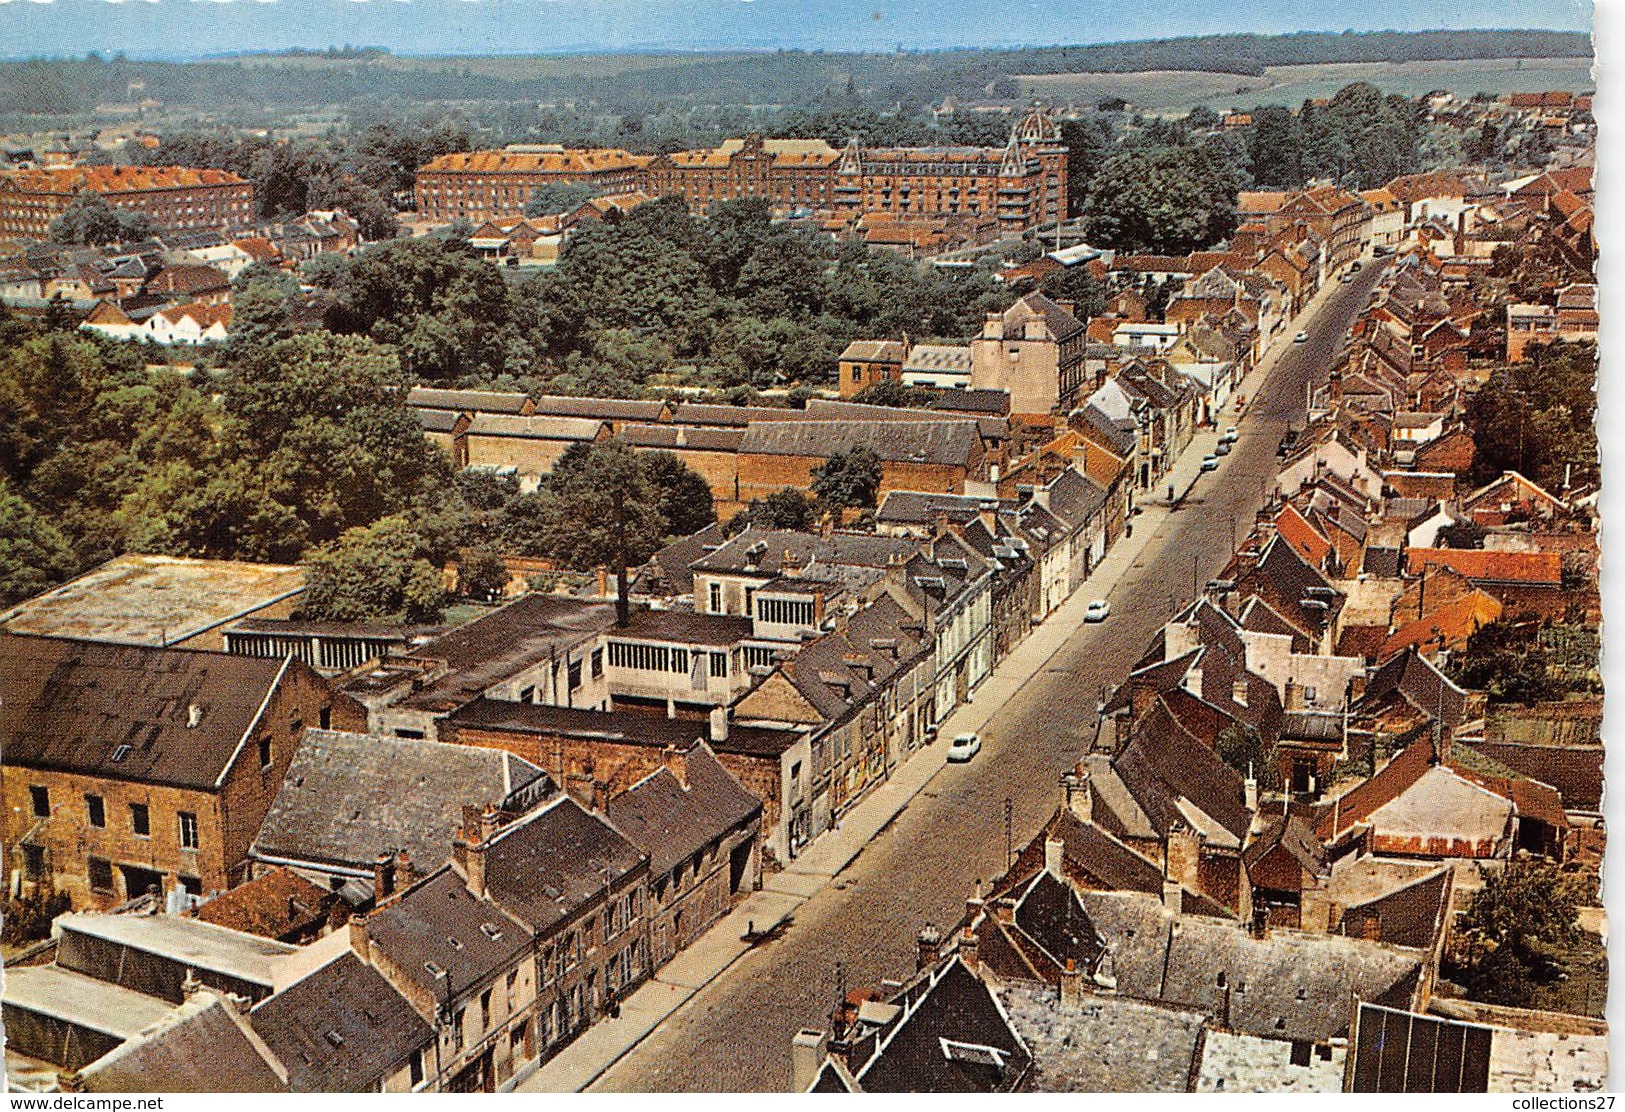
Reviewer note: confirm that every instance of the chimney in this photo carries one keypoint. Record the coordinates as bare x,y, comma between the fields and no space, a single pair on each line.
360,938
1071,984
1080,799
601,582
1053,849
676,760
1004,910
1173,897
719,724
1106,972
973,909
807,1051
967,949
1184,855
194,716
927,943
1316,912
190,985
1250,786
383,877
405,874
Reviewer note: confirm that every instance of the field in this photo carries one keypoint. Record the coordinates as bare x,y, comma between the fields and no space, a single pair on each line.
1178,92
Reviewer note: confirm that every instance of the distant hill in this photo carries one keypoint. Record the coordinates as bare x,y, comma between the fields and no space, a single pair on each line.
787,77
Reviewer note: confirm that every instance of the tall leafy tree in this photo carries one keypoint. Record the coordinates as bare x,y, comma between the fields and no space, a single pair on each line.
608,512
681,494
89,220
373,572
1163,199
850,478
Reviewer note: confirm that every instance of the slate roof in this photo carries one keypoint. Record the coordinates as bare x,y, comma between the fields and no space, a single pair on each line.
683,626
667,574
494,646
539,427
347,798
912,507
201,1046
946,443
1413,678
438,420
1286,985
993,403
1574,770
440,922
670,822
1051,916
627,727
1104,1044
1411,915
471,401
341,1029
601,409
548,865
873,351
933,1047
1164,765
75,706
782,547
992,427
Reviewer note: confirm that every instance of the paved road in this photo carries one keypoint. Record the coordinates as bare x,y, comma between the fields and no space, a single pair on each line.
735,1035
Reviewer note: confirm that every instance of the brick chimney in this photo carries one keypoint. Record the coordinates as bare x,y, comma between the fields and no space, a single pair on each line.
383,877
1173,897
360,938
406,873
967,949
1071,984
927,943
1054,850
1184,856
719,724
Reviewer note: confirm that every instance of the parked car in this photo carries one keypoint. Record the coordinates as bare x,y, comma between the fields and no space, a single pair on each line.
1230,436
1347,278
1354,267
1223,448
964,747
1301,338
1099,610
1210,463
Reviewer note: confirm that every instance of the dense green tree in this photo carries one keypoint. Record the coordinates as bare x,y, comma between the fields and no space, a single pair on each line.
1162,200
1275,149
848,479
481,574
558,197
1537,417
1088,142
1517,926
1077,285
785,508
1506,660
681,494
34,555
373,573
608,513
89,220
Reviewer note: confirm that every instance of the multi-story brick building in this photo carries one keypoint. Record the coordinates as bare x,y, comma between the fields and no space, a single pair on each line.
172,197
479,185
128,768
1021,184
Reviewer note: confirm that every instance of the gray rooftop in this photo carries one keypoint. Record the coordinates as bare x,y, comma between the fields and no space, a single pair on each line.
1105,1044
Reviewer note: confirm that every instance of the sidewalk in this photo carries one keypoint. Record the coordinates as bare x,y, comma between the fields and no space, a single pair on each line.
598,1048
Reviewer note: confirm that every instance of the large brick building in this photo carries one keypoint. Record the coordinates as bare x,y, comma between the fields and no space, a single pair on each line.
1020,185
128,768
484,184
172,197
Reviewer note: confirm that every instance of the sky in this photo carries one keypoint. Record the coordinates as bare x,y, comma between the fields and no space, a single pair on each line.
188,28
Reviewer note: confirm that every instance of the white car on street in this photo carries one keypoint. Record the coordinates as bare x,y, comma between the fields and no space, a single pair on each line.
1230,436
1301,338
1210,463
1099,610
964,747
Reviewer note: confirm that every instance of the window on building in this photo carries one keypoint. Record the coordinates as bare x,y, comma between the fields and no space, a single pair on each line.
40,797
1301,1051
575,674
417,1069
192,886
325,718
96,811
265,752
485,1010
513,979
716,598
528,695
101,874
457,1028
140,820
597,663
188,825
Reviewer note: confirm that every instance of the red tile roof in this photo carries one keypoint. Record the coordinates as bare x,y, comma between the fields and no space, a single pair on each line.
1544,568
